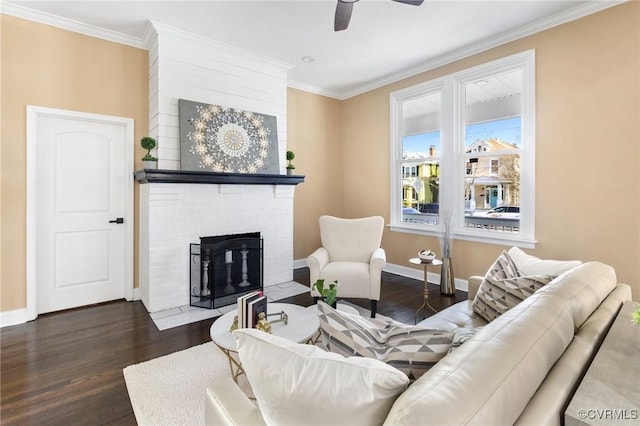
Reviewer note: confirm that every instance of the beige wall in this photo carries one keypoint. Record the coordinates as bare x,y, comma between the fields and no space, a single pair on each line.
587,159
45,66
314,134
588,138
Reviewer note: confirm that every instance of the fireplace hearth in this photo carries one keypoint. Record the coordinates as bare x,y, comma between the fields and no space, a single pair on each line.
224,267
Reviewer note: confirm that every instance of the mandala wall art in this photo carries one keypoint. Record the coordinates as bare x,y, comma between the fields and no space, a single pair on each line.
215,138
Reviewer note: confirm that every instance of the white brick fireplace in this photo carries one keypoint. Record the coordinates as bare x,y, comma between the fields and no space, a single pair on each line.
174,211
174,215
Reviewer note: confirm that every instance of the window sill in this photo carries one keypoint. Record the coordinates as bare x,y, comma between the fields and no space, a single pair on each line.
492,237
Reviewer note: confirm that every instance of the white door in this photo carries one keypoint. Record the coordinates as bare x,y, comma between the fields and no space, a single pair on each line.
82,181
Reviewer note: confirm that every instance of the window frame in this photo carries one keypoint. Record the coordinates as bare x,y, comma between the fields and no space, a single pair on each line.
453,158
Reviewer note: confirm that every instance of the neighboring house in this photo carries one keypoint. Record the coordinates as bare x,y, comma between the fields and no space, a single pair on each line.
420,182
492,181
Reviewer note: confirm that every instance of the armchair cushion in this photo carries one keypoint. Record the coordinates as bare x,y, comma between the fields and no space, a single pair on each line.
302,384
351,240
411,349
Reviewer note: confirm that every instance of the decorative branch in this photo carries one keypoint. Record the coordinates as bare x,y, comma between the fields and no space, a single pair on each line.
446,232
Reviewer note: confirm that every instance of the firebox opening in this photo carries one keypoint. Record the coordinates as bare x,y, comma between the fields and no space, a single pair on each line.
224,268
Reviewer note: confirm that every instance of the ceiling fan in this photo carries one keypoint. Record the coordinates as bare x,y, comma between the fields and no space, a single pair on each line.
345,7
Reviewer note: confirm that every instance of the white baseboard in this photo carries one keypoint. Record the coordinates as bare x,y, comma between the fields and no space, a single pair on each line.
136,293
404,271
299,263
15,317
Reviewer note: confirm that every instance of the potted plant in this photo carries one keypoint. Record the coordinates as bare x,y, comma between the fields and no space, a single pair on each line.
149,161
329,293
635,315
290,166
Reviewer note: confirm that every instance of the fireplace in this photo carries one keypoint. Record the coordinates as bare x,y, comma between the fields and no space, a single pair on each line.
178,207
225,267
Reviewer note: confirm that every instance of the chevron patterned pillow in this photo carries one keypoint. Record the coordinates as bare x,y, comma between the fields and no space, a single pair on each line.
411,349
503,288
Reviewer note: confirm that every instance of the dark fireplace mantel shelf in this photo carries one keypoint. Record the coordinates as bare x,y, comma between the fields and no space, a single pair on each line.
183,176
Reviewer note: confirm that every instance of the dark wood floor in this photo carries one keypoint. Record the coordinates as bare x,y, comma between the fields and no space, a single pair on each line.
65,368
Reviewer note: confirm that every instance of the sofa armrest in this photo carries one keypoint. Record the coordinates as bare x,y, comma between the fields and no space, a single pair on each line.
316,261
474,285
226,404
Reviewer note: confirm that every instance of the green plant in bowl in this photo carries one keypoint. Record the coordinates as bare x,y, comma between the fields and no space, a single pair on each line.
635,315
329,293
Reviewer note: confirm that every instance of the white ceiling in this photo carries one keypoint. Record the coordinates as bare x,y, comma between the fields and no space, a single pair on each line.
385,41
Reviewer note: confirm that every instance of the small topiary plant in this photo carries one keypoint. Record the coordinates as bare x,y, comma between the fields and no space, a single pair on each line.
148,143
290,157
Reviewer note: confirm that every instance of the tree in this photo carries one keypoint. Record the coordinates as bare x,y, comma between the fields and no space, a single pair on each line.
510,172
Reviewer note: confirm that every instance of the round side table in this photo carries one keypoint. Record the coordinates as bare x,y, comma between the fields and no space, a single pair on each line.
425,292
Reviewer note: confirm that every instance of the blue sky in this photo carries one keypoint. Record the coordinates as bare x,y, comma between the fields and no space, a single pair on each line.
507,130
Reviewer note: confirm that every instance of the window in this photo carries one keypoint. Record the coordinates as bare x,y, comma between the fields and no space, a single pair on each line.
464,144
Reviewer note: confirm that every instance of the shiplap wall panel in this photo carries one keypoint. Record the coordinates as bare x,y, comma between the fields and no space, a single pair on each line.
184,66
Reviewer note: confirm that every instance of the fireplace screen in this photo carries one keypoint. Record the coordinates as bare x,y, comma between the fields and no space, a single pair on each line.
224,268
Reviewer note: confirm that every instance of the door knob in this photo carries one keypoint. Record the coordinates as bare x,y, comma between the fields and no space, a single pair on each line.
117,220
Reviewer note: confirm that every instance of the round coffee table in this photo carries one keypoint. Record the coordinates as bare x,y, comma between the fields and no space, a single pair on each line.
301,326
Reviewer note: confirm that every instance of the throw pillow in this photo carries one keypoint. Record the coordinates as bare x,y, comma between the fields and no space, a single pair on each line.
411,349
302,384
531,265
504,287
461,335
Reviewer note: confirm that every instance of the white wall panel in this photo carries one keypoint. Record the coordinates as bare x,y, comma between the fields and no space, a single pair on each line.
185,66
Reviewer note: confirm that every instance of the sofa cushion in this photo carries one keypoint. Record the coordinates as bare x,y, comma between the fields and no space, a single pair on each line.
531,265
411,349
490,378
585,287
302,384
458,315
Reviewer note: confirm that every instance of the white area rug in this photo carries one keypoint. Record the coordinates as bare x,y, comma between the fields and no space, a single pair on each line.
170,390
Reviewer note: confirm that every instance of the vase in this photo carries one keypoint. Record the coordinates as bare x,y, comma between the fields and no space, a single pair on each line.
146,164
447,279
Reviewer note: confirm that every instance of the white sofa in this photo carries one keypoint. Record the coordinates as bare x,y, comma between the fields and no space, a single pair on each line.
521,368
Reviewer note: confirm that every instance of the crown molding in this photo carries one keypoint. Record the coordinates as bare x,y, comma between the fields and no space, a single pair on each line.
69,24
490,43
314,89
143,43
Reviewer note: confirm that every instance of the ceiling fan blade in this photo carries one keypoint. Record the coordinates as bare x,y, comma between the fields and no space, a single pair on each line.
411,2
343,16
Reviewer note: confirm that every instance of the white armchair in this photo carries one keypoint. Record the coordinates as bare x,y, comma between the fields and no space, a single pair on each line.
351,254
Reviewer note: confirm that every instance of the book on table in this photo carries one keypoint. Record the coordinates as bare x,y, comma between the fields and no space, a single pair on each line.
254,308
243,305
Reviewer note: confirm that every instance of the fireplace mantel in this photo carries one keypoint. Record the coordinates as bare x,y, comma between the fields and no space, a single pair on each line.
184,176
